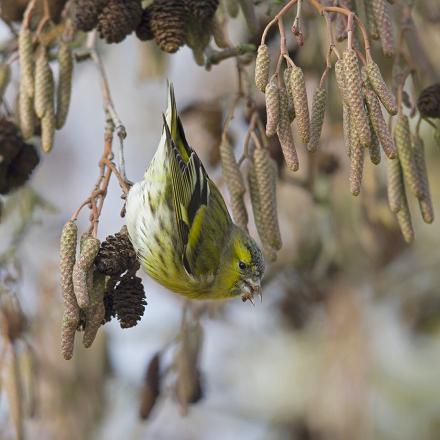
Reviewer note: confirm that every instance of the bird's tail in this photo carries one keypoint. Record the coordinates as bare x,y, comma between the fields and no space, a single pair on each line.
175,125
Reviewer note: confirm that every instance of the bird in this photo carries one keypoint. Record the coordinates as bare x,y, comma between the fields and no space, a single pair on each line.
180,227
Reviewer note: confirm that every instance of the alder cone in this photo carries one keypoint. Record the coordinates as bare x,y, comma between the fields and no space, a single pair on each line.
272,106
299,94
143,31
317,118
428,102
202,9
118,19
129,301
85,13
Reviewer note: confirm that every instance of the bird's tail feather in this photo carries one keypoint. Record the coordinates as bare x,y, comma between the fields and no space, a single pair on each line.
175,125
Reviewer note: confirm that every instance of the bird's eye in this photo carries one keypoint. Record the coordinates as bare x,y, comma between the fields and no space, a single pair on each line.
241,265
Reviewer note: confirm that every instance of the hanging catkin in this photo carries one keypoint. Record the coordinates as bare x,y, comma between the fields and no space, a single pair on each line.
371,21
379,125
346,122
65,61
353,90
81,270
395,186
299,93
262,67
272,106
44,86
425,202
317,119
266,184
403,142
25,53
384,25
26,112
68,244
95,313
381,89
284,133
357,153
290,105
404,220
374,148
230,168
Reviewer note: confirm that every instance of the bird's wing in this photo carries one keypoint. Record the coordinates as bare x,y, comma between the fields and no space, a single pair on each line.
198,204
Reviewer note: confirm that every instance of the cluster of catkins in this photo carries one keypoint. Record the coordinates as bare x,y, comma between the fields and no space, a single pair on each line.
18,158
41,108
378,19
262,178
99,284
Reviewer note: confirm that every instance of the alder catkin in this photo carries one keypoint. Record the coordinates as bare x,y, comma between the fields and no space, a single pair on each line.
290,105
317,119
402,137
68,243
395,184
25,54
425,203
272,106
299,93
346,120
371,21
239,212
357,153
384,25
64,90
47,130
262,65
284,133
380,127
95,313
404,220
374,148
353,90
26,113
44,86
380,88
266,184
230,169
81,270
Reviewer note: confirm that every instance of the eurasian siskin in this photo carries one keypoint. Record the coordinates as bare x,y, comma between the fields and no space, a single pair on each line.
180,226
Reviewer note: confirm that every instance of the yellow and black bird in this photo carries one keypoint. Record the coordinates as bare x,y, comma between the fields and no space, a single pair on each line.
181,229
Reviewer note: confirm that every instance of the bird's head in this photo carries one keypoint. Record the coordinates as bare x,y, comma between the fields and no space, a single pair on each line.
242,265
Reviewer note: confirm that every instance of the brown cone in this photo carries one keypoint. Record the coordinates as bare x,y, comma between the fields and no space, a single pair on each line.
119,18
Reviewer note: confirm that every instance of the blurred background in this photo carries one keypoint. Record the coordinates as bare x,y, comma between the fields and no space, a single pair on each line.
346,342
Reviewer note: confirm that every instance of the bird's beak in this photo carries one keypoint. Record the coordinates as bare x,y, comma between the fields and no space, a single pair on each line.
252,288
